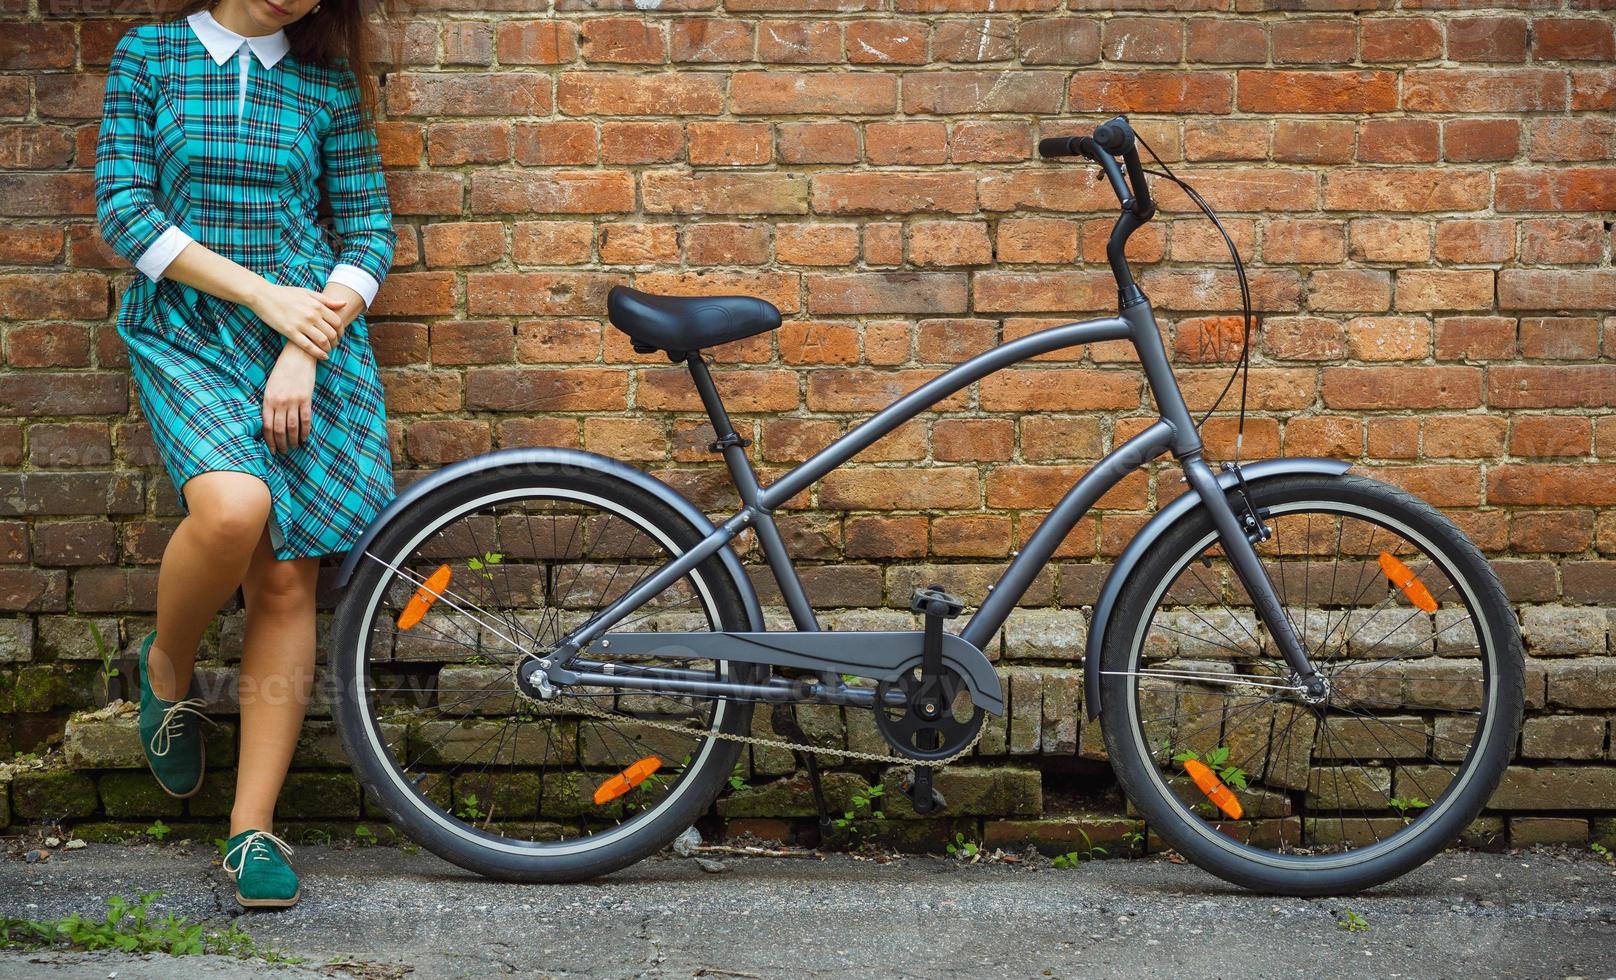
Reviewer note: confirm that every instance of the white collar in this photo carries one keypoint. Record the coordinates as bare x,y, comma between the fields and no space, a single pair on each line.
222,43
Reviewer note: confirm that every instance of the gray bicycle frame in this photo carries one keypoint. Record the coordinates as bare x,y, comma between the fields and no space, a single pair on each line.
1174,431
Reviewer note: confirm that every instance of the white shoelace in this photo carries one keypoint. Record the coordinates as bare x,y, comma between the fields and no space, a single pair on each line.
163,739
256,847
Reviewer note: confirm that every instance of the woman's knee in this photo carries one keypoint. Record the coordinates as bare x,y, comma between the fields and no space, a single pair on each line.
281,585
229,508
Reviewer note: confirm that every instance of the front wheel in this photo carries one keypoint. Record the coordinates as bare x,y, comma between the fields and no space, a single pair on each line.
1214,741
468,583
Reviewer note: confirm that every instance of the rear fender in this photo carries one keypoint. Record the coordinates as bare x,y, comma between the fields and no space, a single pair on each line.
515,460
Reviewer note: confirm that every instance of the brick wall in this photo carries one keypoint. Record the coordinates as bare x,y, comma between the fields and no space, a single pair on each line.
1423,191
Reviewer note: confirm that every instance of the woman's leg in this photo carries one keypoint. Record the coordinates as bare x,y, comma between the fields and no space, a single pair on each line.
204,561
277,674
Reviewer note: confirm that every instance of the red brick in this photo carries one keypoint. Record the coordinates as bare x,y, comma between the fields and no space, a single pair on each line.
1405,189
1543,386
622,40
561,141
906,143
1476,140
1573,39
1398,141
1317,91
1402,387
1562,189
1475,338
1487,38
1387,39
613,93
818,142
1147,91
1534,289
1551,435
1483,90
1314,41
536,42
886,42
1219,41
1025,91
1554,484
468,94
1142,39
1059,41
730,143
709,39
838,93
1560,338
1313,141
1473,242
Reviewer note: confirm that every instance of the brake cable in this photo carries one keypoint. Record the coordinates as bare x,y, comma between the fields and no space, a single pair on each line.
1242,368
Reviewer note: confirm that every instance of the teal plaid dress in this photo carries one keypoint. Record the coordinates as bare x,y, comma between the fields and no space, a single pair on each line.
172,151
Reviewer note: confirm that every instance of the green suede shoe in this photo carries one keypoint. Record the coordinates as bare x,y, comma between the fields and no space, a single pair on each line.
257,860
171,733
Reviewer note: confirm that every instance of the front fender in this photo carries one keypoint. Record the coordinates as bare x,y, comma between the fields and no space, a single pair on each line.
1174,512
546,455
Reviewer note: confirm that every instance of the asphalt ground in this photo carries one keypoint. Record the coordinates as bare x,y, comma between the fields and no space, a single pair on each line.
379,912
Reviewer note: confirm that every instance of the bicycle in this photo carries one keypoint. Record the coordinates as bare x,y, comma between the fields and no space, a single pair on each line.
547,661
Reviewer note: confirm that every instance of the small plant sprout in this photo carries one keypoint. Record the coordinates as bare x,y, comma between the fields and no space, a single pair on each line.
469,809
737,777
864,802
1088,852
107,653
1352,921
963,849
158,830
482,566
365,835
1602,852
1404,806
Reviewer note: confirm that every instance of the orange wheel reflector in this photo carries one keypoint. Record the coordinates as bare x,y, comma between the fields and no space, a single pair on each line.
423,598
626,780
1407,582
1213,787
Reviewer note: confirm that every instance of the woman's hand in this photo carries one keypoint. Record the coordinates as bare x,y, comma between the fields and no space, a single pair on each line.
289,400
310,320
348,303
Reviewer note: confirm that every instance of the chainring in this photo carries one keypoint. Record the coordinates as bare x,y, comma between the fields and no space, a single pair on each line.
937,718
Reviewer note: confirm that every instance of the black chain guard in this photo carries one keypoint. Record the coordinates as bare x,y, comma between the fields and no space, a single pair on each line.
936,720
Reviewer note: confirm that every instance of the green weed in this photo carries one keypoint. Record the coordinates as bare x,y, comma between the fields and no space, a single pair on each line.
132,927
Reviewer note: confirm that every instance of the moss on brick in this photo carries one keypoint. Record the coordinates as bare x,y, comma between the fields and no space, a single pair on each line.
136,794
104,743
792,796
53,794
44,687
319,794
5,800
974,791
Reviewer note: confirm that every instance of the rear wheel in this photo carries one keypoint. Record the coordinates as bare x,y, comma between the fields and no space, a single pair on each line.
471,581
1214,741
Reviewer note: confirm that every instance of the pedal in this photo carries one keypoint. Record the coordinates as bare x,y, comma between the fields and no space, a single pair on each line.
922,795
783,719
933,601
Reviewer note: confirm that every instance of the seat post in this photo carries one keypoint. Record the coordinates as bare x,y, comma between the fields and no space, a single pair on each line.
733,445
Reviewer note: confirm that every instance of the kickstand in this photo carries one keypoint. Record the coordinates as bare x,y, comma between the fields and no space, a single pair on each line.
783,719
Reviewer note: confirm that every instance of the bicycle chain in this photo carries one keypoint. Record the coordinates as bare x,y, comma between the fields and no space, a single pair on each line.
591,710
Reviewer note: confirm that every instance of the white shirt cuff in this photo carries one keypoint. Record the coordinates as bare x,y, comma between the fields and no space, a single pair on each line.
356,279
163,251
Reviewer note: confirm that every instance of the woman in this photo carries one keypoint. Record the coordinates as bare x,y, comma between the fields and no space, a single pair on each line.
248,346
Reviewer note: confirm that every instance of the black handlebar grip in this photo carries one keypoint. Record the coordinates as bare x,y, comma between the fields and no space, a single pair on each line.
1059,146
1115,137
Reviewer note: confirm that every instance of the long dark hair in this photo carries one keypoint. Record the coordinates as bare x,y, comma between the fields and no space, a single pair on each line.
339,31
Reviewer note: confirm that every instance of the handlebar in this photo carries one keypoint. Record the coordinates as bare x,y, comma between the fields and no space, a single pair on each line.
1110,140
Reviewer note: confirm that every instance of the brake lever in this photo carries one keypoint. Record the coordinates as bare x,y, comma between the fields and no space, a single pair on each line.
1094,151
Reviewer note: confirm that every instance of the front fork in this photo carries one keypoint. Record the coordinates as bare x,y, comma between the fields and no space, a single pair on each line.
1242,555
